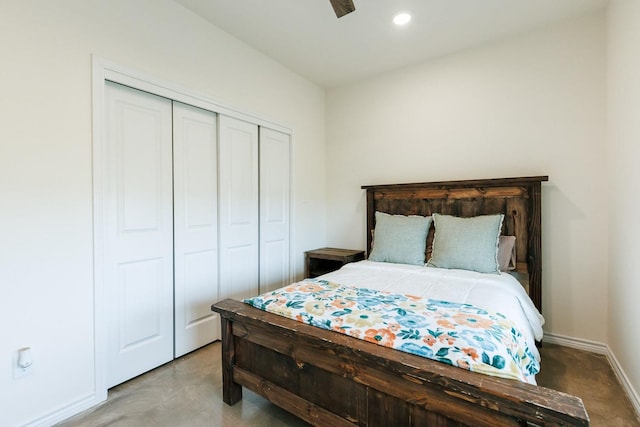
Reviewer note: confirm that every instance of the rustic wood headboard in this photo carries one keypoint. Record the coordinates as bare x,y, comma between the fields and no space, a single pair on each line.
519,199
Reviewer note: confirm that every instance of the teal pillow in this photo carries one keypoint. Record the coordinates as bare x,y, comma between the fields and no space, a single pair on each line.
466,243
400,239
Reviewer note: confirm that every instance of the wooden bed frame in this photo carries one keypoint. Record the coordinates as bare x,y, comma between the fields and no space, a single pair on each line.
327,378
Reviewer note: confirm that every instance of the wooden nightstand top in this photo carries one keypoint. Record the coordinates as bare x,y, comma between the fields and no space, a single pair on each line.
334,253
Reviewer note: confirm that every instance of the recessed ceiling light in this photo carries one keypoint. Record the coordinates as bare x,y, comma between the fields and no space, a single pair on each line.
402,18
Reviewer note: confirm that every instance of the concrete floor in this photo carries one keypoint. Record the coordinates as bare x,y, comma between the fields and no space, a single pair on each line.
188,392
590,377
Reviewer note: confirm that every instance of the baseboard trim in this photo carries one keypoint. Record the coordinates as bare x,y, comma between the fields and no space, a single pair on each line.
599,348
577,343
624,380
65,412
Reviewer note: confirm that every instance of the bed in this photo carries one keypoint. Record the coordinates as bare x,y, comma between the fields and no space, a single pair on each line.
329,378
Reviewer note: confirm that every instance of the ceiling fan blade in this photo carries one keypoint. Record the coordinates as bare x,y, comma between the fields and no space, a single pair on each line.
342,7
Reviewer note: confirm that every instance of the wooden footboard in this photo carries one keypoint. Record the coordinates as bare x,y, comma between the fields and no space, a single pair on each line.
327,378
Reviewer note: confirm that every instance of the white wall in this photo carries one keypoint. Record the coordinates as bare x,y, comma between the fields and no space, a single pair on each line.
46,266
623,50
529,105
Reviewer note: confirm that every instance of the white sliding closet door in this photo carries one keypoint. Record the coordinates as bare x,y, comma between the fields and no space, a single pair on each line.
195,227
138,232
274,209
239,221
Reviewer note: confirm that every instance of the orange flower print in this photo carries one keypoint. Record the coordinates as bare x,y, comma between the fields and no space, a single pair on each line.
448,338
342,303
429,340
446,323
380,336
471,352
309,288
336,324
472,320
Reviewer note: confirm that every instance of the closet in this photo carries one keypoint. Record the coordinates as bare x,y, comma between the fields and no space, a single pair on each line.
194,209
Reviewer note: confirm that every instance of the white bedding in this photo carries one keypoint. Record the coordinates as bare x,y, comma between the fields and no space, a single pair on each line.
500,293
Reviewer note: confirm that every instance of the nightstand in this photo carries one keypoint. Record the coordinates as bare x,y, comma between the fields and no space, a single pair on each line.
320,261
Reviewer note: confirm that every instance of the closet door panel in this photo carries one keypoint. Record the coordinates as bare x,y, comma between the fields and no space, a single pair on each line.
196,227
138,232
239,221
274,209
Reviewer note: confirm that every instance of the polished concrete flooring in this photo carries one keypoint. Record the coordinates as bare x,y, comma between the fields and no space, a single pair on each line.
188,392
590,377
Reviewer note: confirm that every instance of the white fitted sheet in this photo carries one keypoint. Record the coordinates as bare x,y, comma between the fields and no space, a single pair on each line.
500,293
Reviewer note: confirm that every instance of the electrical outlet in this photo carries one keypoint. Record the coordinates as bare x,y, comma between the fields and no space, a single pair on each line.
19,372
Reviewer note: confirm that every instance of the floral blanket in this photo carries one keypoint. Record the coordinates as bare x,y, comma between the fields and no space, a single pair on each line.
457,334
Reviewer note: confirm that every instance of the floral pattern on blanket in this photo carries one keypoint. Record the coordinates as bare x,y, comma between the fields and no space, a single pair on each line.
457,334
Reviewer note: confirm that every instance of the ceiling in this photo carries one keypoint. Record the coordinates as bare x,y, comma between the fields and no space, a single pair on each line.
306,37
